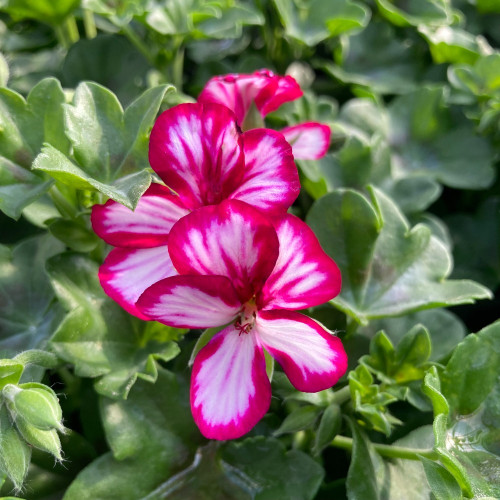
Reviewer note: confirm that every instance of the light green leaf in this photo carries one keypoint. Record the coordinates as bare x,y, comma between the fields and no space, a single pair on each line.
45,11
388,269
416,12
99,337
313,21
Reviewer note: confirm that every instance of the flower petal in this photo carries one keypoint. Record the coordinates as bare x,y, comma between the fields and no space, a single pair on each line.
191,301
196,150
279,90
231,239
312,358
126,273
304,275
230,391
271,181
147,226
309,141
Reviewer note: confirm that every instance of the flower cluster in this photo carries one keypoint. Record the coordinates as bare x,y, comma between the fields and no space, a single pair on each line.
215,247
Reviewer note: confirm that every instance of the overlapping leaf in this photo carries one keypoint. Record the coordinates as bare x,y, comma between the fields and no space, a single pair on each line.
387,268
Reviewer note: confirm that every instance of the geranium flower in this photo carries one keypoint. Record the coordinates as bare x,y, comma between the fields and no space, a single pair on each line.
200,153
267,92
236,268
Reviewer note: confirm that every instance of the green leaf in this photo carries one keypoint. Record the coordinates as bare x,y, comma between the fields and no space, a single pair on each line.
416,12
392,68
442,483
99,337
432,389
313,21
151,434
452,45
329,427
109,146
45,11
24,126
10,372
27,311
75,234
299,419
387,268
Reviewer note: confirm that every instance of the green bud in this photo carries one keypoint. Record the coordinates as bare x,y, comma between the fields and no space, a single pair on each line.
15,454
43,440
35,403
10,372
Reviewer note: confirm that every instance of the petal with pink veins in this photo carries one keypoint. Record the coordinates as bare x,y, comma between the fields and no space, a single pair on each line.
304,275
230,390
312,358
145,227
279,90
309,141
196,150
231,239
126,273
271,181
191,301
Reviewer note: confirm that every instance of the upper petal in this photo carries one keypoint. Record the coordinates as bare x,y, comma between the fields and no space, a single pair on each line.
230,390
304,275
231,239
271,181
147,226
126,273
191,301
312,358
309,141
196,150
280,89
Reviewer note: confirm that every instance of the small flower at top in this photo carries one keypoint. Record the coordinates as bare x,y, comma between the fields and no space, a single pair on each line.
203,158
267,92
238,268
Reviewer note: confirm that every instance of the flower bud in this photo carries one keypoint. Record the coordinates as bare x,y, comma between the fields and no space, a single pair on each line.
43,440
35,403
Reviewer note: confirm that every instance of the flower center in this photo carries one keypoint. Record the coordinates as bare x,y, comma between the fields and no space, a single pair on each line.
246,320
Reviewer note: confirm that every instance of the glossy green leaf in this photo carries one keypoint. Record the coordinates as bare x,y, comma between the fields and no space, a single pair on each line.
109,145
452,45
416,12
392,68
388,269
152,435
99,337
27,313
45,11
312,21
24,126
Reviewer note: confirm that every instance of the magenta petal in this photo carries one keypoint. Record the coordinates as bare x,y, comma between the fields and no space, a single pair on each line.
126,273
304,275
196,150
312,358
271,181
231,239
147,226
279,90
191,301
230,390
309,141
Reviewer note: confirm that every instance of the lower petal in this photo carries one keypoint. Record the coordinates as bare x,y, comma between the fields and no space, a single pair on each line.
230,390
309,141
126,273
312,358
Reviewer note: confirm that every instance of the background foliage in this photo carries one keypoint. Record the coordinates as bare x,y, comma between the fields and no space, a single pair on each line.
407,202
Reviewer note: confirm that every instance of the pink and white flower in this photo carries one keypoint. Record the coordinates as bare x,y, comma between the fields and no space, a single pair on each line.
267,92
201,155
238,268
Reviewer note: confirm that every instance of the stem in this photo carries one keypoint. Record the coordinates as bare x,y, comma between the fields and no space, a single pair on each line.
178,64
138,43
342,395
37,357
387,450
352,326
61,36
89,24
62,203
72,29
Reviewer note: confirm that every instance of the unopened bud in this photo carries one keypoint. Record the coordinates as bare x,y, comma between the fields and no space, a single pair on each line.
43,440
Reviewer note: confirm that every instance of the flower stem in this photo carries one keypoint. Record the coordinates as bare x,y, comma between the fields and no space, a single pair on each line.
89,24
37,357
342,395
178,64
72,29
138,43
352,326
61,36
387,450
